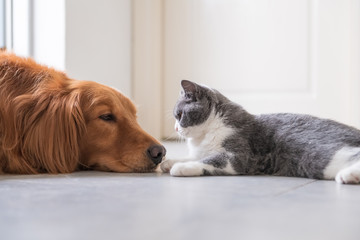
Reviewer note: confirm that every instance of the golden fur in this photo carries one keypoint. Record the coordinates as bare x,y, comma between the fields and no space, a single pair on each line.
50,123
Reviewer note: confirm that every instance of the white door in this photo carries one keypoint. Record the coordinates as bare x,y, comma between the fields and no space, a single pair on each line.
269,56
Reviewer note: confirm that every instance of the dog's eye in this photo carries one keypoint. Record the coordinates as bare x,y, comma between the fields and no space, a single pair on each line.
107,117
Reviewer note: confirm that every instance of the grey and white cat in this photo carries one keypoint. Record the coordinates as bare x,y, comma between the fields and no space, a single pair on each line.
224,139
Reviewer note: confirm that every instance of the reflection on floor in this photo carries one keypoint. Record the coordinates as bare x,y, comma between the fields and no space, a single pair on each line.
98,205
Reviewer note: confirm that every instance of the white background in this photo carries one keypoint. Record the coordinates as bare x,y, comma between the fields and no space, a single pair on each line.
269,56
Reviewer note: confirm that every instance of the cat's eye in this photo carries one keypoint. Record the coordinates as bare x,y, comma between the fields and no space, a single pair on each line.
188,95
107,117
178,115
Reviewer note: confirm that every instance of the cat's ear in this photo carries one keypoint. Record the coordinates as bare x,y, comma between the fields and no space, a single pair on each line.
188,86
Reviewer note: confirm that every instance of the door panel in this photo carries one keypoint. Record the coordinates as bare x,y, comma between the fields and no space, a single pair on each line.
269,56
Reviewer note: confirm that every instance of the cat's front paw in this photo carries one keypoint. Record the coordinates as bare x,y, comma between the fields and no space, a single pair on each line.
187,169
348,175
166,165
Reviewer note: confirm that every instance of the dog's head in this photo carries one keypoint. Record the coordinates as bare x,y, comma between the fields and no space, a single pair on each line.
51,123
114,141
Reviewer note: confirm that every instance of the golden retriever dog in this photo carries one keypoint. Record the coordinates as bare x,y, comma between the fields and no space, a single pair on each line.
50,123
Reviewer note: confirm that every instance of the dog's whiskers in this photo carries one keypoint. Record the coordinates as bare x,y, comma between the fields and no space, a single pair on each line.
84,165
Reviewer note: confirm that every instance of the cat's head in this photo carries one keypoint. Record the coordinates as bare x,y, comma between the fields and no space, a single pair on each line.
194,108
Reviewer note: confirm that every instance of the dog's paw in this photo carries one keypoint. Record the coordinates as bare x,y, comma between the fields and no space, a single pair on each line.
187,169
350,175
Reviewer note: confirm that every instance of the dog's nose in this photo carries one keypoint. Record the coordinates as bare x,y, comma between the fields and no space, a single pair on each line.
156,153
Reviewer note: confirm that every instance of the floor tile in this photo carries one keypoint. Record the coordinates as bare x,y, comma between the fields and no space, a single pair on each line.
99,205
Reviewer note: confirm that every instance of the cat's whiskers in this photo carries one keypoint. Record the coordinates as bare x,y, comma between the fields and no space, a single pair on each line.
173,136
180,139
169,114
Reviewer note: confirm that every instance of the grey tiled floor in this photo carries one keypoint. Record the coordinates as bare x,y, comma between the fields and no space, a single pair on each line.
97,205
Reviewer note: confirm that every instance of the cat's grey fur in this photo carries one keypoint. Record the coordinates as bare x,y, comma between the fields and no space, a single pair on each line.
276,144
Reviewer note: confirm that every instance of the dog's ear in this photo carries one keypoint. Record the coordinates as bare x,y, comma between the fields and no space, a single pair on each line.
48,128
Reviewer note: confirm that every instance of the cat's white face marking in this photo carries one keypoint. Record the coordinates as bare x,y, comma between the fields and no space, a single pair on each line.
212,124
342,167
207,137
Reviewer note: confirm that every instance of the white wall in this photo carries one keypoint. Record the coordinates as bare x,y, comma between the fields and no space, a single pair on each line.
21,30
147,64
98,42
270,56
88,39
49,32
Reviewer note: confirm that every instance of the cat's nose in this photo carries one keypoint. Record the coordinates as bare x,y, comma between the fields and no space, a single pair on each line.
176,127
156,153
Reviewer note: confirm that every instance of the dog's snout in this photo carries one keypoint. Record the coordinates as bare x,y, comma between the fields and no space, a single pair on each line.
156,153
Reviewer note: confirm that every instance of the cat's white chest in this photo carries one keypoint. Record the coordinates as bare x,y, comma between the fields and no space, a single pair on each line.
211,140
